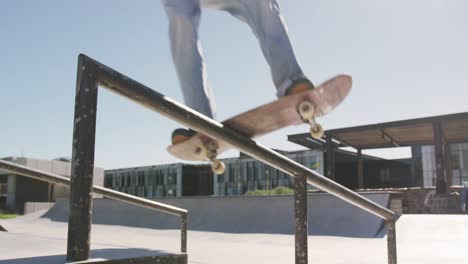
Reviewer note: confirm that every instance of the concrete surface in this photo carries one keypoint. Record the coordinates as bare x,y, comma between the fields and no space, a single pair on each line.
427,239
32,239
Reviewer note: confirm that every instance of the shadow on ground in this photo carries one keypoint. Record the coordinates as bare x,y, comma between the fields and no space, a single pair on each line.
110,253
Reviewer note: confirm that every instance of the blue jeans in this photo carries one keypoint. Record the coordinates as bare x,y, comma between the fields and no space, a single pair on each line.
266,22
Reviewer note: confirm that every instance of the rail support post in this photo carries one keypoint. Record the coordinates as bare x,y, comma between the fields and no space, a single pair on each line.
82,165
391,242
300,214
183,233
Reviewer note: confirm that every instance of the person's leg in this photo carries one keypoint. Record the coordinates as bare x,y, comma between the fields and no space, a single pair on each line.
184,20
266,22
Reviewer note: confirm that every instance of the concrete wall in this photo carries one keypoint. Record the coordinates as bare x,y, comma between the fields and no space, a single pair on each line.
413,199
241,214
31,207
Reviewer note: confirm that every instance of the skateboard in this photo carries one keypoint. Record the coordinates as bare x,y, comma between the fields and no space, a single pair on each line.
289,110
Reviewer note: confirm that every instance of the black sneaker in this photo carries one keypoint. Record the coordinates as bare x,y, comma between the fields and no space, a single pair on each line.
180,135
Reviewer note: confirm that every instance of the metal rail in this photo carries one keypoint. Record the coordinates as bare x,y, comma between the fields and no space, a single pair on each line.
57,179
92,73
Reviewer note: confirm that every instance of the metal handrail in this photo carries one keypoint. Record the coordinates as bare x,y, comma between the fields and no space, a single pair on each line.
91,74
153,100
57,179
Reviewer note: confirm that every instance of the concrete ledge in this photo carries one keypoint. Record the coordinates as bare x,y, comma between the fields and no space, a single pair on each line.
31,207
328,215
444,204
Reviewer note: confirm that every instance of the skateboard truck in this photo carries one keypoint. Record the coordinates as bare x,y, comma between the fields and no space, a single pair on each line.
306,110
209,151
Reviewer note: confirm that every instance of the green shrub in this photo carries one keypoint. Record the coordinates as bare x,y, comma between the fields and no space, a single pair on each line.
257,192
280,190
7,216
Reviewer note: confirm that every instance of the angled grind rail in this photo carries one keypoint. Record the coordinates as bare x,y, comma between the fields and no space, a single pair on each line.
92,74
115,195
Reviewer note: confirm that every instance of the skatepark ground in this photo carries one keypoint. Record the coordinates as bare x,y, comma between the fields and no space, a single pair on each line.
41,237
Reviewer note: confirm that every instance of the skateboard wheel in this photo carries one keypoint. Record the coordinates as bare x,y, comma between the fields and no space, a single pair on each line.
306,110
316,131
201,152
218,167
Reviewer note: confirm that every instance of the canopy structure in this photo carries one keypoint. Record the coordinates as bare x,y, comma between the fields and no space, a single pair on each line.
440,131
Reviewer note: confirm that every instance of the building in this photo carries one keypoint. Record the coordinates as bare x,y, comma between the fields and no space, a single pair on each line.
458,166
435,140
245,174
16,190
431,139
438,145
242,174
170,180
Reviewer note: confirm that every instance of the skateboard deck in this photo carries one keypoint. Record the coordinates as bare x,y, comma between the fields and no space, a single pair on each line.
283,112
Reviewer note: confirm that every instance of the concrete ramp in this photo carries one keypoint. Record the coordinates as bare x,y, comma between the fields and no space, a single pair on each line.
328,216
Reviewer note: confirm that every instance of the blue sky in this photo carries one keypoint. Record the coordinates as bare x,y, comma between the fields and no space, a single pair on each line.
408,59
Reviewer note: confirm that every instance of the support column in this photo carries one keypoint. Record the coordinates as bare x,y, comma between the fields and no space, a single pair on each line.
11,191
439,159
360,169
300,214
448,164
215,184
179,181
418,176
330,161
82,165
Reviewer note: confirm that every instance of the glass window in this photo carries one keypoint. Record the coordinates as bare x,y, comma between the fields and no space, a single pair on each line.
108,180
232,173
221,178
133,180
